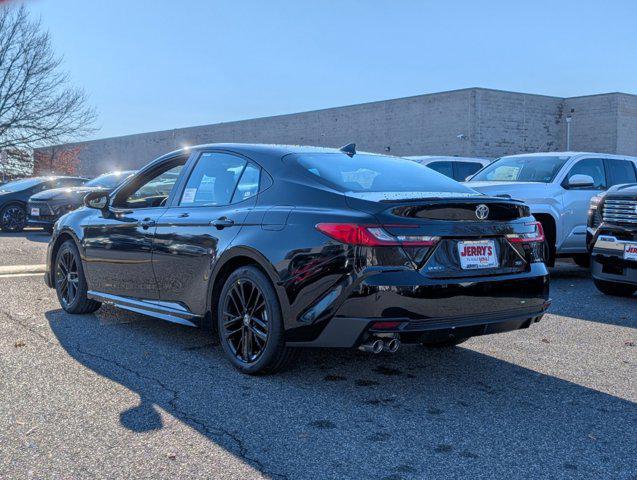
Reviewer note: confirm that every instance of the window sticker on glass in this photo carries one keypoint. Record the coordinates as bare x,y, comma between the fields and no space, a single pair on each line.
189,195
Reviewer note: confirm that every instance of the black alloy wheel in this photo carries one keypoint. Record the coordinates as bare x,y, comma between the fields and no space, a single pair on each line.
250,324
70,284
245,320
13,218
66,277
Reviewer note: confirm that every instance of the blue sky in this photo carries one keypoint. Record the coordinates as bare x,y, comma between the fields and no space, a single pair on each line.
154,65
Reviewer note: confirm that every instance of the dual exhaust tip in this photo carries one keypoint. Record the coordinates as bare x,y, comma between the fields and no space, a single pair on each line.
377,345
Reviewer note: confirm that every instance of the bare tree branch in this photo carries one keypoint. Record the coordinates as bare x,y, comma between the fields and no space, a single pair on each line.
38,107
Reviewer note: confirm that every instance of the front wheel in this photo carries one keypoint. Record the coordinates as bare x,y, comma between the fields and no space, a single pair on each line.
250,323
70,283
615,289
13,218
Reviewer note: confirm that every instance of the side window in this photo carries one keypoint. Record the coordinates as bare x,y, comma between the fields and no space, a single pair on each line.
213,180
248,186
155,191
464,169
442,167
620,171
594,168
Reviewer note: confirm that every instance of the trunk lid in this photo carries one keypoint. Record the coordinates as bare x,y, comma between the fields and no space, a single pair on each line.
462,223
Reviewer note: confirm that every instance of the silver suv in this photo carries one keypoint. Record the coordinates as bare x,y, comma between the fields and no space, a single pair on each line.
558,187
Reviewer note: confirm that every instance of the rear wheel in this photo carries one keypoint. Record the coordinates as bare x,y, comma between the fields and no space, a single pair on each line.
444,342
70,283
13,218
250,323
615,289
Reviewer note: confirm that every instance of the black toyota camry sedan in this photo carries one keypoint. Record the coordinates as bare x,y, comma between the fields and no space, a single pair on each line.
44,208
280,247
14,197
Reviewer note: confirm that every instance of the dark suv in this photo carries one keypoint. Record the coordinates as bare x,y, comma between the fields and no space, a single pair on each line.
612,238
15,195
44,208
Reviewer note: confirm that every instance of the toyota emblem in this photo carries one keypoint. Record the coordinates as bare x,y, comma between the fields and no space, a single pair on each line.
482,211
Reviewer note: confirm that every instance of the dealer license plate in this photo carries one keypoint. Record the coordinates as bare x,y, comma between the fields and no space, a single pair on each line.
35,212
630,251
477,254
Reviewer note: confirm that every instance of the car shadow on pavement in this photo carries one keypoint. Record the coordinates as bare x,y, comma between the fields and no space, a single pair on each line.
451,413
574,295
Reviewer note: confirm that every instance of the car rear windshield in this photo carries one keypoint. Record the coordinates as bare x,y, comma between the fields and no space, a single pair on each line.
529,168
376,173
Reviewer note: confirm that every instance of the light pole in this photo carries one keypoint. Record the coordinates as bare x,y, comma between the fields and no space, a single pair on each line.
569,117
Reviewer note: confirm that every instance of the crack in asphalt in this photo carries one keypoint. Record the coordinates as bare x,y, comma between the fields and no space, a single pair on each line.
242,449
12,318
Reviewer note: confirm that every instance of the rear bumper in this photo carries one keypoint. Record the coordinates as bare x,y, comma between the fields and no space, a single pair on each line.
423,308
351,332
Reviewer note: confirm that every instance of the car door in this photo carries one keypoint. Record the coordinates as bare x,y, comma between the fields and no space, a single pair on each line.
118,242
202,222
576,201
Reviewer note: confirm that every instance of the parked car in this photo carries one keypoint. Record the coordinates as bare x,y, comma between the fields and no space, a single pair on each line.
558,188
44,208
15,195
458,168
286,246
612,238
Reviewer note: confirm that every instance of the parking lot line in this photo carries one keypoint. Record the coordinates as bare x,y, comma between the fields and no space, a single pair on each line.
21,270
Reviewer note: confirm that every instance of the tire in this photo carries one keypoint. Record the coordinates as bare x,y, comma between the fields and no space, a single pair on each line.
250,324
13,218
582,260
615,289
444,343
68,272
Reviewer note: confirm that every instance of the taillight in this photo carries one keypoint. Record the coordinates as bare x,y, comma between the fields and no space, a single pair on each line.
536,236
372,236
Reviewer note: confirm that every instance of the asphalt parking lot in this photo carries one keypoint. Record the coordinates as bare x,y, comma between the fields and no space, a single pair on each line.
119,395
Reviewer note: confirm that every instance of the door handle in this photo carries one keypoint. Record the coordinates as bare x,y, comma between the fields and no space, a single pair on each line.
222,222
147,223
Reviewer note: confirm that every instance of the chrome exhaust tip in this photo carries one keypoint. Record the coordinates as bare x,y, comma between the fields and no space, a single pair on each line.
392,345
372,346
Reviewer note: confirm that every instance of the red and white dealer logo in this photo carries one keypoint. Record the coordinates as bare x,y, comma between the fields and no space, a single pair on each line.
477,251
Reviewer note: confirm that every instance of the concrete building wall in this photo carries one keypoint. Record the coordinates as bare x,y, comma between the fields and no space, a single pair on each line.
593,123
407,126
627,124
507,123
469,122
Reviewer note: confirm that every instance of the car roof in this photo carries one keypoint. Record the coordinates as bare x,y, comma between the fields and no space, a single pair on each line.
448,158
267,154
571,154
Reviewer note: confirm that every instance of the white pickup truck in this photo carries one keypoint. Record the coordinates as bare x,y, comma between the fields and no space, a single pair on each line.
558,186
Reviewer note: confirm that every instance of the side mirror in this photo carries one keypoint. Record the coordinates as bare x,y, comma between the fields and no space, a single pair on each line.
97,200
580,181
